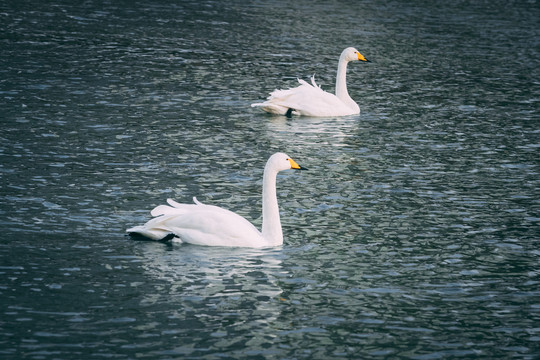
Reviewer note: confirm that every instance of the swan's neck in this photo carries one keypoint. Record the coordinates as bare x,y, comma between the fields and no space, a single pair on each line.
271,225
341,83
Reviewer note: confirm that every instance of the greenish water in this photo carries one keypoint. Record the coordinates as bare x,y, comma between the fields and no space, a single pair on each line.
415,234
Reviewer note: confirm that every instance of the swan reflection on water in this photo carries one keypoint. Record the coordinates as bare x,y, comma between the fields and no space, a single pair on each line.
194,276
332,131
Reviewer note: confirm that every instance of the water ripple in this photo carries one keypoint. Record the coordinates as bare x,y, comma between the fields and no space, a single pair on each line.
413,235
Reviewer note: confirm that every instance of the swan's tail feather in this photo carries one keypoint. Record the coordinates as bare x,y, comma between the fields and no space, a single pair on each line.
149,232
271,108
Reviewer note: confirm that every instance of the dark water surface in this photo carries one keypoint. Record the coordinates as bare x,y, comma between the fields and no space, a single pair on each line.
415,234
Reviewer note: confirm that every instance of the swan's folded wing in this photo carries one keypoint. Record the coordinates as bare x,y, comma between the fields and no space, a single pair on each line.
281,100
212,225
200,224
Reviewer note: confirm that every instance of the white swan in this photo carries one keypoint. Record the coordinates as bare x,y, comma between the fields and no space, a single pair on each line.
311,100
214,226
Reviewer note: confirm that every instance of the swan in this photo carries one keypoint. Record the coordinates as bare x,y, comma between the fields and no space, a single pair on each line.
214,226
311,100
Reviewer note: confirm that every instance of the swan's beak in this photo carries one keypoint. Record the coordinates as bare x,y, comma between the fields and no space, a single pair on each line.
295,166
361,57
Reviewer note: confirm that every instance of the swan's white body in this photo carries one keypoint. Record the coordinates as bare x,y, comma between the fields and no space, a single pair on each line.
214,226
310,100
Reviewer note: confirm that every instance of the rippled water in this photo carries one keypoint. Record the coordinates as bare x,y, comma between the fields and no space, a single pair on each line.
414,235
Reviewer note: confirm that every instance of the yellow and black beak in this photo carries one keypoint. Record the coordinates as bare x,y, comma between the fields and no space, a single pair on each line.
295,166
361,57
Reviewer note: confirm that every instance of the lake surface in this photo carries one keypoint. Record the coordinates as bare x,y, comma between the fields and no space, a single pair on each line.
414,235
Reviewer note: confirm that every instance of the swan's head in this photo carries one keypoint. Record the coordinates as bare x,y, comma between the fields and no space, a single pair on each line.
281,161
351,54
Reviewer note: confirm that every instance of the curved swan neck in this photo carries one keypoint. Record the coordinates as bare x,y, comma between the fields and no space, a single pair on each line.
271,224
341,81
341,85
